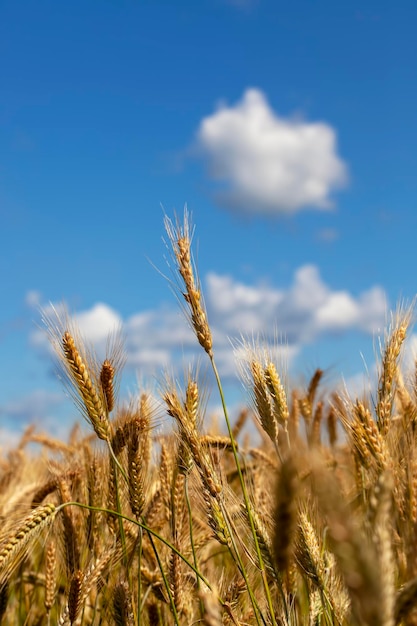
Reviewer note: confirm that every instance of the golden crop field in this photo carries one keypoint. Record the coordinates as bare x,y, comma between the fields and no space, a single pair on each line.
308,517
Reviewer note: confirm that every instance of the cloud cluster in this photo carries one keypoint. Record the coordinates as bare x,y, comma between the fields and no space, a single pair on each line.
266,164
302,313
297,315
284,319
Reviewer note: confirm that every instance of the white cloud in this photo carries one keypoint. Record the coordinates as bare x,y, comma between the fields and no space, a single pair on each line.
268,164
304,311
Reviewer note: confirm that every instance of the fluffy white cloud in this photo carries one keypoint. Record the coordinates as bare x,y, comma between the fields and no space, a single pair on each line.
301,313
267,164
98,322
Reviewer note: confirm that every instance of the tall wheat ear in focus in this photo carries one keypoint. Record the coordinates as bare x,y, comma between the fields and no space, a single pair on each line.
298,509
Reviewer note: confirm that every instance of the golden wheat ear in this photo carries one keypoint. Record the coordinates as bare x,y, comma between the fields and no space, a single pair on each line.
50,576
388,371
180,239
92,385
90,393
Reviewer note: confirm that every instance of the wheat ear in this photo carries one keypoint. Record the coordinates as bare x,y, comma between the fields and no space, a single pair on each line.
391,353
180,239
122,605
86,388
50,576
14,546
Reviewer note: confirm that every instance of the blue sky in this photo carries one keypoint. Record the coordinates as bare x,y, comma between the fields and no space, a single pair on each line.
289,130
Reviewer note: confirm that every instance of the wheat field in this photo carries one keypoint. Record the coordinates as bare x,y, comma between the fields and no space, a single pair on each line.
301,511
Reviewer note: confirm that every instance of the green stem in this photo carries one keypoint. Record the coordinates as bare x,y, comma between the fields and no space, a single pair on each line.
119,511
166,583
238,559
148,530
117,463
